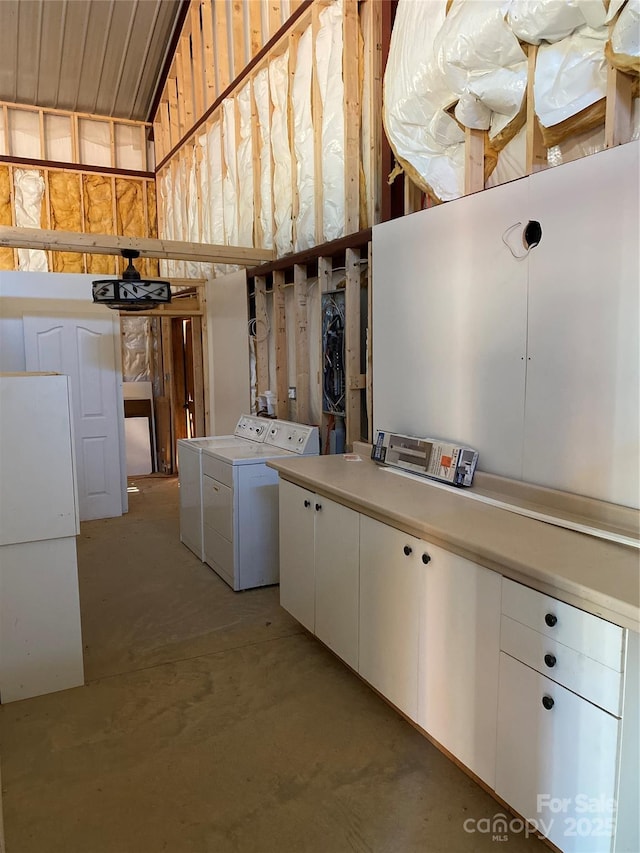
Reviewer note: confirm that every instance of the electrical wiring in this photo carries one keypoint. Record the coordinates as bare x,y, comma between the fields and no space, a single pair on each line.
333,374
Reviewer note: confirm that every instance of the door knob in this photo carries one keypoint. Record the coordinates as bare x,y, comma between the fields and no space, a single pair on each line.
551,619
407,550
550,660
307,503
426,558
547,702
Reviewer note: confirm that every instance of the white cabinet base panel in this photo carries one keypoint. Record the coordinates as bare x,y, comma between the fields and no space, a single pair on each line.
40,637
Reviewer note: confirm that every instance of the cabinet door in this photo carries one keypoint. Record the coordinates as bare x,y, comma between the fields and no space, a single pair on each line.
556,765
297,571
582,402
459,657
390,601
337,537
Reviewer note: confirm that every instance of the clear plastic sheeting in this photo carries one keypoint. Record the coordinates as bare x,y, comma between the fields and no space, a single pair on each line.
57,133
426,140
230,180
282,172
214,164
483,63
303,143
570,75
137,348
245,168
24,133
328,54
581,145
261,97
192,268
512,161
28,189
535,21
625,38
94,139
205,201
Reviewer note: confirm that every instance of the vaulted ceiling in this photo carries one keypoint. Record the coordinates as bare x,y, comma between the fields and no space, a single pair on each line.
95,56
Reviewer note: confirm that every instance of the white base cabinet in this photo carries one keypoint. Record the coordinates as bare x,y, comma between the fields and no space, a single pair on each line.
536,697
556,759
319,546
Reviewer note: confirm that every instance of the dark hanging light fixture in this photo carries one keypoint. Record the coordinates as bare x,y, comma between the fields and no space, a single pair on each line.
131,292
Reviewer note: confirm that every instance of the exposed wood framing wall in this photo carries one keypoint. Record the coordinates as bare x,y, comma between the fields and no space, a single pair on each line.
82,138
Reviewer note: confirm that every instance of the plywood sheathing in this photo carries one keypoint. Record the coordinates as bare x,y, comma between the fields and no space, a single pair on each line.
98,219
65,211
6,255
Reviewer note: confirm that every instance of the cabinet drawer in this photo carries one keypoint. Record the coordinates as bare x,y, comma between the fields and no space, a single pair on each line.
587,634
221,471
581,674
217,510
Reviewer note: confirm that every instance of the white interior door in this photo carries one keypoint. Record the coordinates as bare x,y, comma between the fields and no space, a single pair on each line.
84,348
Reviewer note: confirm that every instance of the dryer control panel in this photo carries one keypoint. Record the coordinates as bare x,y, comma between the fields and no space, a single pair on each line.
297,438
252,428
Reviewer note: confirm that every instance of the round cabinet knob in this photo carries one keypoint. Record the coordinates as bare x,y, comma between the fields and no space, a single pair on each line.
550,619
426,558
318,507
407,550
547,702
307,503
550,660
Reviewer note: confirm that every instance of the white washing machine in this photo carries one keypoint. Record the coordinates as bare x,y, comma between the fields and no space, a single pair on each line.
240,503
248,428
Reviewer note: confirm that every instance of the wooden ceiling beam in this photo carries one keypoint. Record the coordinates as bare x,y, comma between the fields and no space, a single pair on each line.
107,244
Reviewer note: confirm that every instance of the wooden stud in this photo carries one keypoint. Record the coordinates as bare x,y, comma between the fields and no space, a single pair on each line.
261,338
205,362
238,25
473,161
302,343
208,49
412,196
112,144
198,375
187,82
47,199
196,58
618,123
275,17
7,137
374,106
174,109
166,127
43,146
222,51
280,340
353,378
180,85
114,214
255,27
167,366
325,284
75,148
158,141
85,265
536,157
351,116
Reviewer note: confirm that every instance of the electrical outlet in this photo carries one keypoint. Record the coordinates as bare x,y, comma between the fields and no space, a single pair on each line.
292,392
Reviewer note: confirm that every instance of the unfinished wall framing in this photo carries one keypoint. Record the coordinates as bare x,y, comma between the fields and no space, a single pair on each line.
283,141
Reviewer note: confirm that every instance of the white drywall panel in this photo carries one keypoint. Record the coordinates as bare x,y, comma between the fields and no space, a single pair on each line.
449,326
303,143
138,446
228,350
582,421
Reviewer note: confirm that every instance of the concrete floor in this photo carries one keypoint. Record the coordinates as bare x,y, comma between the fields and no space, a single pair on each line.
211,722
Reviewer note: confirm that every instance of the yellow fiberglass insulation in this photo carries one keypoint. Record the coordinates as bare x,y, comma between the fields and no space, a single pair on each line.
66,215
6,255
131,220
98,219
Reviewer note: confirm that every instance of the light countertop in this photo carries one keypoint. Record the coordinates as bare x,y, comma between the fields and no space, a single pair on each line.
600,576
